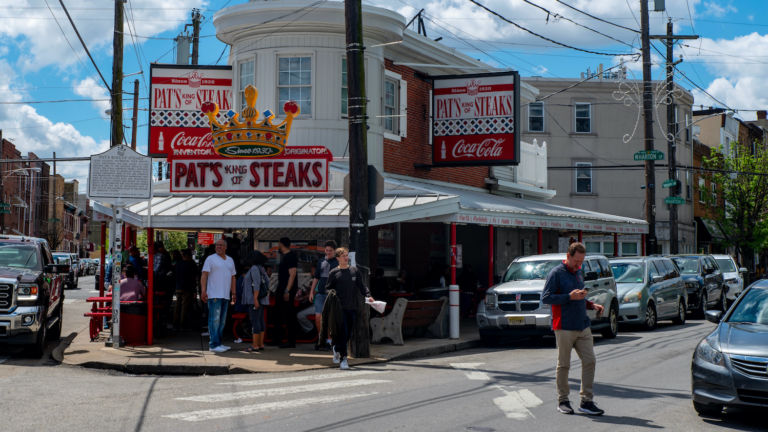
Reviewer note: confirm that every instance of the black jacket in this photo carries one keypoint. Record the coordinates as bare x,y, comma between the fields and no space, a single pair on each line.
333,318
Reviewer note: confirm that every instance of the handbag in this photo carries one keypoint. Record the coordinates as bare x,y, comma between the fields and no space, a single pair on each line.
263,296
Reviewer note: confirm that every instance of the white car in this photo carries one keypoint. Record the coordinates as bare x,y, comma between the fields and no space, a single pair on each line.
732,275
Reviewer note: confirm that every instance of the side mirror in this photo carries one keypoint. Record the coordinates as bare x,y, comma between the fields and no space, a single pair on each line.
714,316
743,270
57,268
657,279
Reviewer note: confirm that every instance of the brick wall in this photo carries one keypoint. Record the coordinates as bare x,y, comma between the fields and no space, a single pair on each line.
400,157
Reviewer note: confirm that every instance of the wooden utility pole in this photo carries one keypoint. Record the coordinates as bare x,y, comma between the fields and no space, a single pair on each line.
196,17
117,76
672,132
358,160
650,166
134,120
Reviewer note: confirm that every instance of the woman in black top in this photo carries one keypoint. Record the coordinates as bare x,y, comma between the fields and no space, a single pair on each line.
348,284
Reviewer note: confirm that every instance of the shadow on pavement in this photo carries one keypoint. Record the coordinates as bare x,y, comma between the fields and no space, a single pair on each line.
626,421
742,419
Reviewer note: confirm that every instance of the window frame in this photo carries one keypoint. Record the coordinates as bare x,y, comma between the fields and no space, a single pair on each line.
530,117
576,117
702,190
583,165
241,87
306,113
713,187
395,129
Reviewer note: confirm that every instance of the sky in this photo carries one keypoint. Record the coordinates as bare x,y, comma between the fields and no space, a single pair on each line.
52,98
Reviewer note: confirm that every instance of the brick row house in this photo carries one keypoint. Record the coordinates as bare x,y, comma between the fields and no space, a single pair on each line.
23,192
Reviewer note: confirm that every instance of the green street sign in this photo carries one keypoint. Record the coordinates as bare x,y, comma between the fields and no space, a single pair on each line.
674,200
5,211
5,205
669,183
644,155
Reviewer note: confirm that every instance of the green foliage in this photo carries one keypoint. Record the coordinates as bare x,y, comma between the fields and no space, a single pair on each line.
173,240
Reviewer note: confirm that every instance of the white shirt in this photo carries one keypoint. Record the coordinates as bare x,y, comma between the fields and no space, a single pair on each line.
220,271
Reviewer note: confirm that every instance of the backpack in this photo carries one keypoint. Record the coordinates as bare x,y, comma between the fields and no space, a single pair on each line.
264,285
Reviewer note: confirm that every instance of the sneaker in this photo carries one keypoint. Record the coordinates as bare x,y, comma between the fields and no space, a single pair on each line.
336,356
344,365
216,349
565,407
238,340
589,408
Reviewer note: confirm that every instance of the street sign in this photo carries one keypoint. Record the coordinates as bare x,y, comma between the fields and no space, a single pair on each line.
5,205
120,174
644,155
669,183
674,200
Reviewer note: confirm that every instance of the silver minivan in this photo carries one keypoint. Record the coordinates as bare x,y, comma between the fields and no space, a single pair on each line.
732,275
649,289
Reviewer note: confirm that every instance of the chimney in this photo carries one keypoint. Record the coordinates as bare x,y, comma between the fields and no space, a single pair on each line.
761,115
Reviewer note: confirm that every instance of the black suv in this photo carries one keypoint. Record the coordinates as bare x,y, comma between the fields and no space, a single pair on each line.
65,258
703,281
31,293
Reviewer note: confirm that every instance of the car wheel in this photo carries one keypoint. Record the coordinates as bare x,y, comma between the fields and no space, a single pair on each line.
680,318
38,349
612,330
708,410
701,312
55,333
723,306
651,319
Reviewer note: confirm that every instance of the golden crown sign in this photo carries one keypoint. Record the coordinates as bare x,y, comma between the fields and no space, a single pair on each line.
250,138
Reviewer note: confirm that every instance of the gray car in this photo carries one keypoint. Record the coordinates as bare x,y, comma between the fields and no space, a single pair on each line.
733,276
649,289
730,365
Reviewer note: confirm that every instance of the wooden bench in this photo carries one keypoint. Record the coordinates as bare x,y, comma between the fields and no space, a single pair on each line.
426,315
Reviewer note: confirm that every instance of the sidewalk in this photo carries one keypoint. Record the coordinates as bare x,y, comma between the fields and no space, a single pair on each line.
186,353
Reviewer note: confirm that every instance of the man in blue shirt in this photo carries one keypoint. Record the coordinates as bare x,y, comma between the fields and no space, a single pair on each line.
317,292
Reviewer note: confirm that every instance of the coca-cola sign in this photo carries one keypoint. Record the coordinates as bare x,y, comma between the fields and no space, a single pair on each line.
177,127
474,119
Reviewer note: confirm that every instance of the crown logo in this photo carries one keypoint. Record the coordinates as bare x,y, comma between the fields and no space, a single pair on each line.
249,137
473,87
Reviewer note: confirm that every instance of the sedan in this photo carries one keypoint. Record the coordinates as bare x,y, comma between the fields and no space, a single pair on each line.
730,365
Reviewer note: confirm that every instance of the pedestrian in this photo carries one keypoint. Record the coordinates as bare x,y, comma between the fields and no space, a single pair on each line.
347,282
131,289
564,290
285,294
217,284
256,296
186,289
317,292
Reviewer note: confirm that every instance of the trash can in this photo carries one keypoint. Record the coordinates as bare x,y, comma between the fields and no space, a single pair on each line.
133,322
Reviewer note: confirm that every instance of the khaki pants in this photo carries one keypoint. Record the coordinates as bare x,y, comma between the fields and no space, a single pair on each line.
582,342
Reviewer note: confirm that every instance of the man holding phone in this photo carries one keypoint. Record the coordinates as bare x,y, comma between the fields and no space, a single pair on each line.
564,290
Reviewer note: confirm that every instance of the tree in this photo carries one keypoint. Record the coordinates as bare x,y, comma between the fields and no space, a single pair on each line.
54,234
740,206
174,240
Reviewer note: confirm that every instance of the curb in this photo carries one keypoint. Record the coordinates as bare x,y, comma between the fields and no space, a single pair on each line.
58,352
433,351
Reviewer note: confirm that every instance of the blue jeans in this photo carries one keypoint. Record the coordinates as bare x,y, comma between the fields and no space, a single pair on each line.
217,319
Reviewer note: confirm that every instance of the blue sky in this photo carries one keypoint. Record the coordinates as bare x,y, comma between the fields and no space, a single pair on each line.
43,63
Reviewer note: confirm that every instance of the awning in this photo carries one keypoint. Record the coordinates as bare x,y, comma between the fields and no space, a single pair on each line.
711,227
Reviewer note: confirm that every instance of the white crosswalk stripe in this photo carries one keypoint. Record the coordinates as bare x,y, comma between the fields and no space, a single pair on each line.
514,404
305,378
281,391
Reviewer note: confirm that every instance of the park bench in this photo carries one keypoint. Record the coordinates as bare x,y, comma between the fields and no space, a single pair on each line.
420,316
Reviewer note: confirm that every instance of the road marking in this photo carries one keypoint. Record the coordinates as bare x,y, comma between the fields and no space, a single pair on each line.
472,374
210,414
515,403
224,397
292,379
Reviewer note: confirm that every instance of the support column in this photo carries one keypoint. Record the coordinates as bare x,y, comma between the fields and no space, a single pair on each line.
540,241
150,284
642,244
615,244
453,291
102,258
491,250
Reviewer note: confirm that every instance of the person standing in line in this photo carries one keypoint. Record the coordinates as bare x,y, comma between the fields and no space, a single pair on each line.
564,290
255,275
217,284
317,292
347,281
186,289
285,293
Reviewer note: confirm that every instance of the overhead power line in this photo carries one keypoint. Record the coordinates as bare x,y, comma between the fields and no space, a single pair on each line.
85,47
597,18
503,18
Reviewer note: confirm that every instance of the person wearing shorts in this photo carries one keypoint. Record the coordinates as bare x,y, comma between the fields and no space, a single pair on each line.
317,292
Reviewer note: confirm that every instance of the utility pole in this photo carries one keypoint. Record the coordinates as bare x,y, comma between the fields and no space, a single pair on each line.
358,159
196,17
117,76
650,166
2,186
134,120
672,132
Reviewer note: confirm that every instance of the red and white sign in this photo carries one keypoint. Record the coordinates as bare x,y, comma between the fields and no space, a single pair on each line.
177,127
474,119
205,239
297,169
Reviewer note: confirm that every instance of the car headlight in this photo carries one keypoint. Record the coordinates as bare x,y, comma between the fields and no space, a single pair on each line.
691,285
490,300
632,296
26,291
708,352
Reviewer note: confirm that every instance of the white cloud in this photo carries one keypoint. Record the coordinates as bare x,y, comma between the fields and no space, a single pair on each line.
718,9
93,89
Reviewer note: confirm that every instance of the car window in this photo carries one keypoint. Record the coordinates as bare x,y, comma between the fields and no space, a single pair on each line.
653,270
726,265
628,272
671,268
589,266
605,268
687,265
19,256
753,308
528,270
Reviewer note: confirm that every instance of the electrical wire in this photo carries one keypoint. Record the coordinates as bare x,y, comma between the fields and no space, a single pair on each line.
77,32
507,20
690,16
597,18
579,83
65,35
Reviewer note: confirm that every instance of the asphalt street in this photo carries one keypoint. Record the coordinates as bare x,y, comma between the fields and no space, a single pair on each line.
643,383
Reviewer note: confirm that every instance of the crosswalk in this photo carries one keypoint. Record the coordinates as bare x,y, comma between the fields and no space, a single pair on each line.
270,394
516,402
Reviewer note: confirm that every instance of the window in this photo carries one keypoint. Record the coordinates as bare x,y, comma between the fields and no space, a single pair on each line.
605,267
714,194
536,117
628,249
688,185
344,88
592,247
245,77
702,190
583,117
687,129
653,271
583,177
608,248
294,83
390,106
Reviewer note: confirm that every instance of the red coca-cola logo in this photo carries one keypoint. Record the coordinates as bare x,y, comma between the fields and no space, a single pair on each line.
488,148
181,140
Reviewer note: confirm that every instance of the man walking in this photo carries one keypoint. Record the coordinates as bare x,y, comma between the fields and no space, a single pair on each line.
217,284
317,292
285,294
564,290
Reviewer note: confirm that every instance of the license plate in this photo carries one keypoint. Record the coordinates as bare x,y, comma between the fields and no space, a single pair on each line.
516,320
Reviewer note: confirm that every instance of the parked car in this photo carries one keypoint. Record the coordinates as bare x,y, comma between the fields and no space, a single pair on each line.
649,289
77,263
514,306
733,276
31,293
704,282
730,365
63,258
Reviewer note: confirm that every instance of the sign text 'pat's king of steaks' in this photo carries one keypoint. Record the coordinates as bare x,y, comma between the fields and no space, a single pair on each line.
474,119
